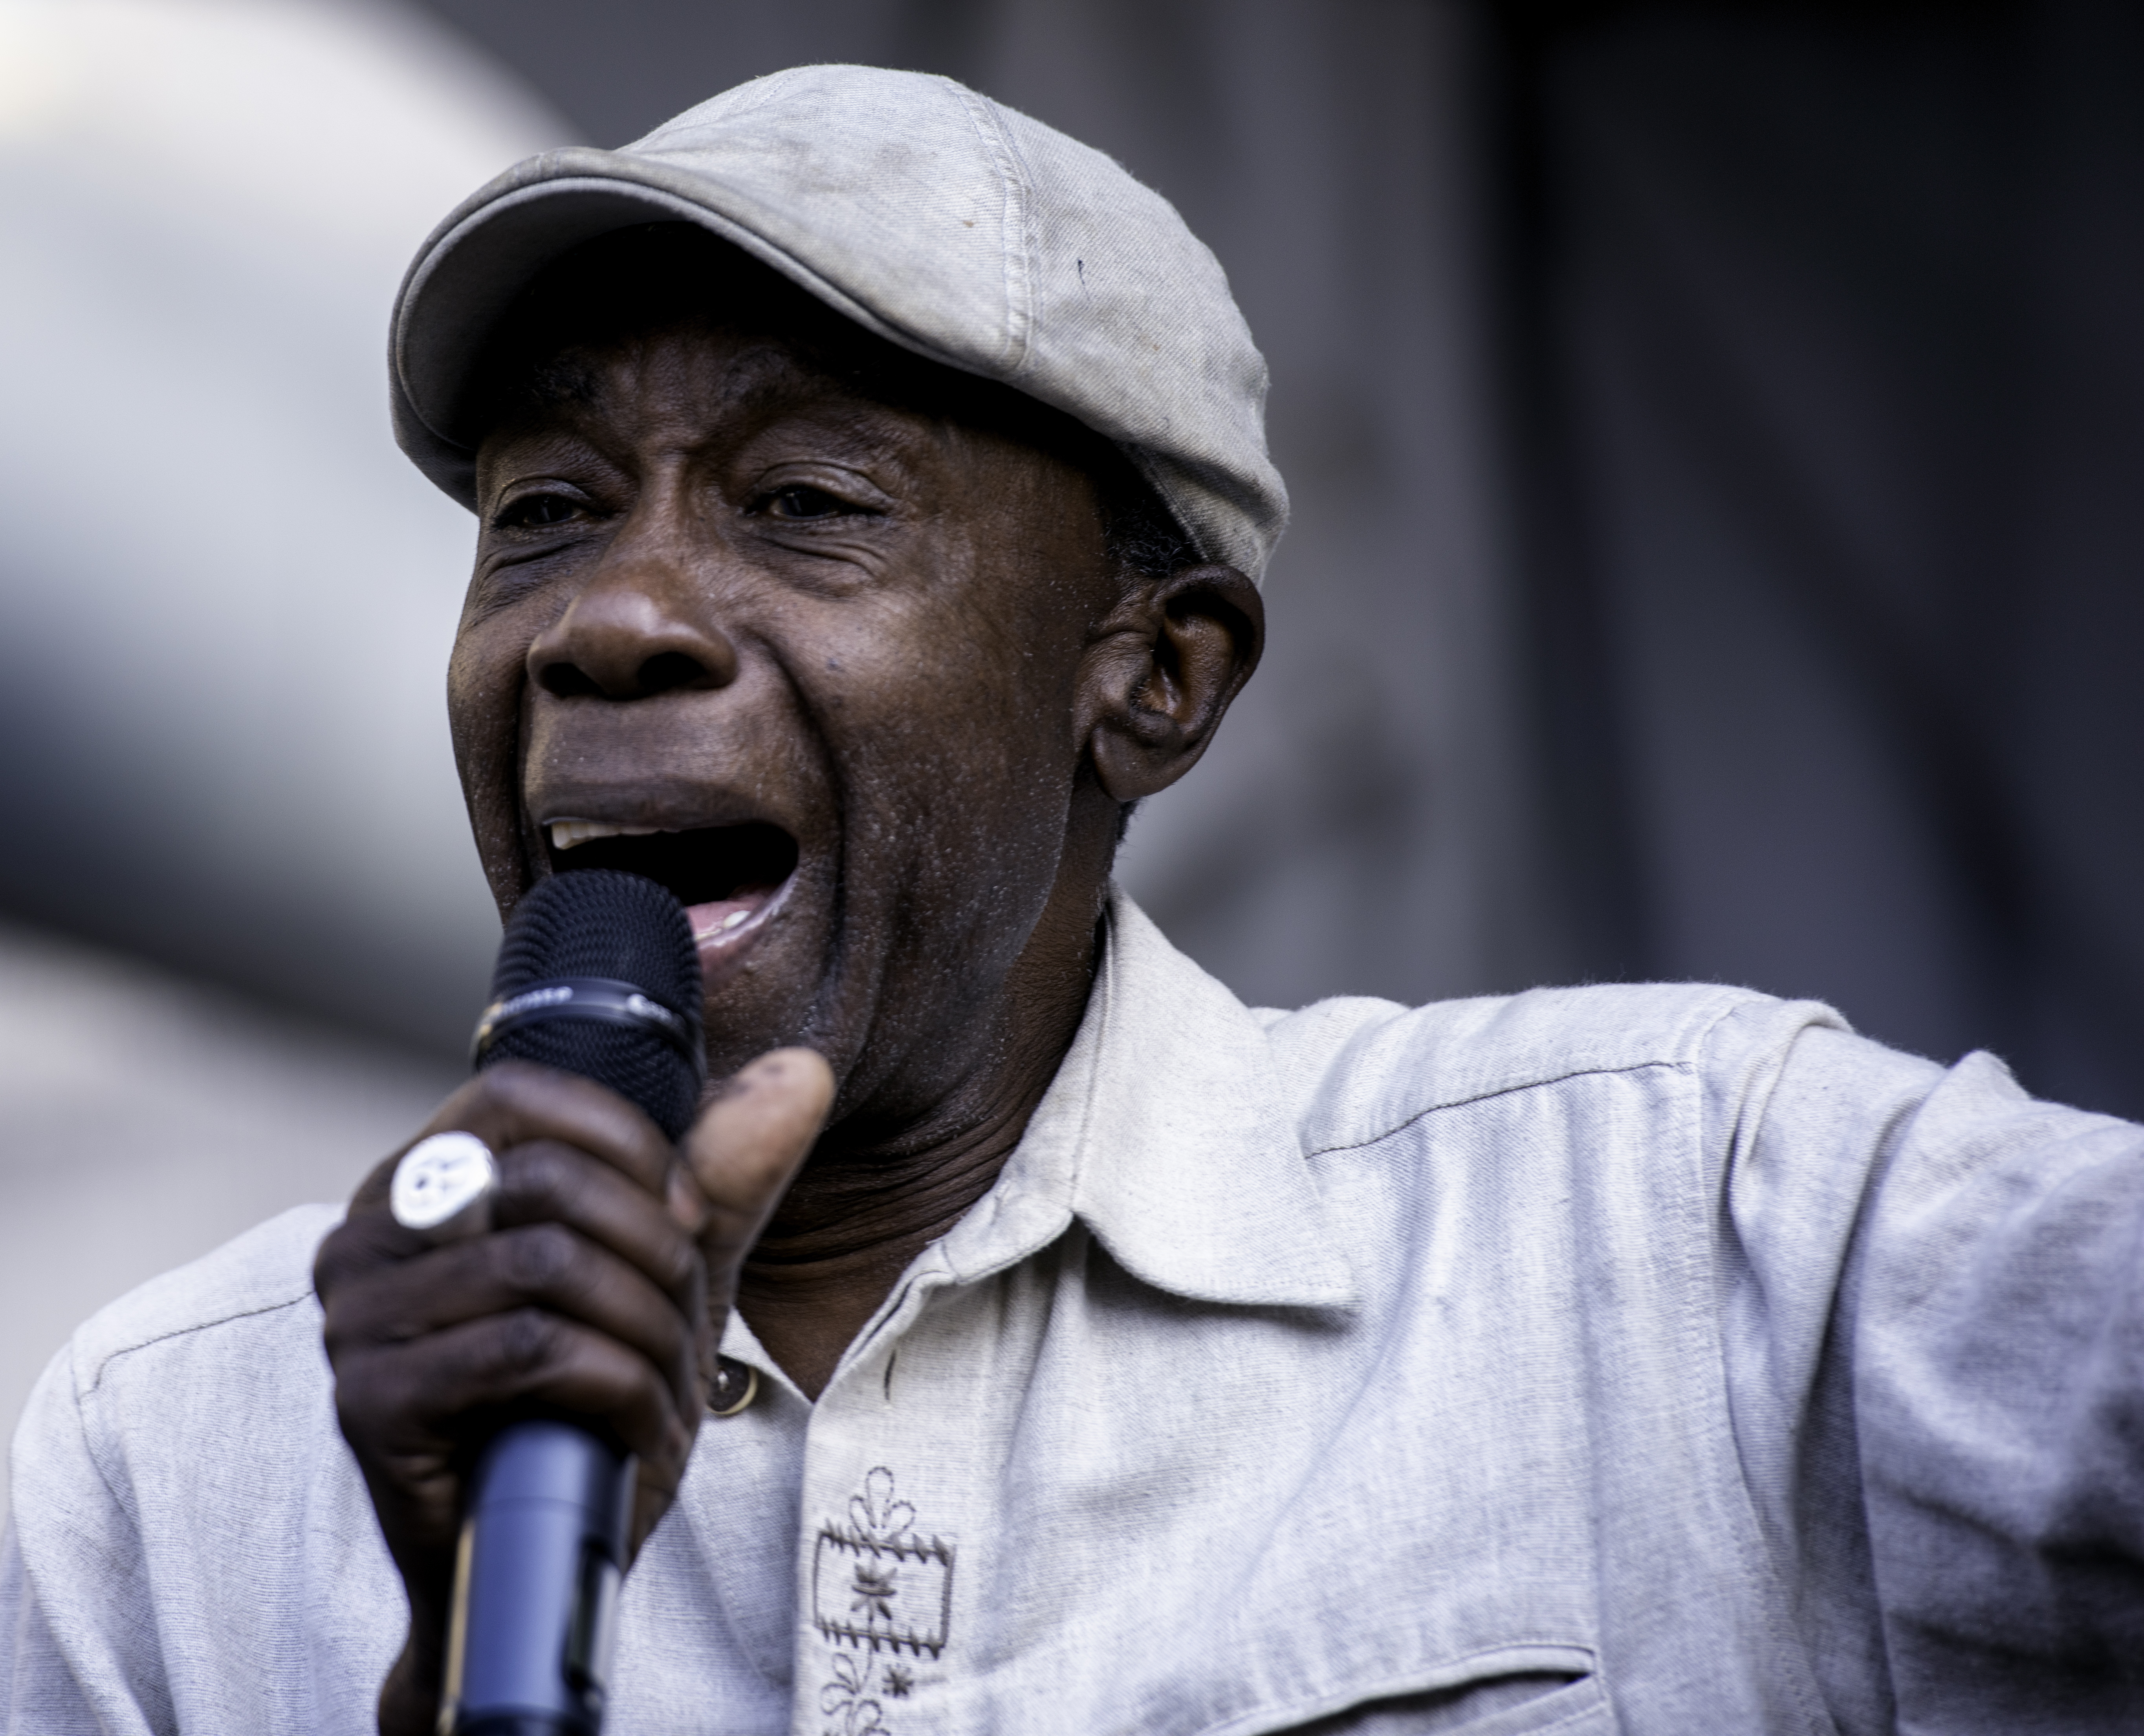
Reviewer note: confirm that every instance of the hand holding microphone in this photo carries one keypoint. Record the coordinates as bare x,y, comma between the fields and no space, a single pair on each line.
566,1268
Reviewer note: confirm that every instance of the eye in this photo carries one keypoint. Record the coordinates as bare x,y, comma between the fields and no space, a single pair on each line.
534,512
801,501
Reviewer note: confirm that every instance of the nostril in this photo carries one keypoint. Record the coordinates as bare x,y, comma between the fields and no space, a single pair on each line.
563,681
669,669
661,673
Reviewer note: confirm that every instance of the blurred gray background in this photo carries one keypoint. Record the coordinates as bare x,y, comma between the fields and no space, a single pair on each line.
1715,433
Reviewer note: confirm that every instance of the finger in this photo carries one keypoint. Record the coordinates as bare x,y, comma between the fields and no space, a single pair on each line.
544,1181
546,1266
548,1181
397,1401
516,1102
749,1144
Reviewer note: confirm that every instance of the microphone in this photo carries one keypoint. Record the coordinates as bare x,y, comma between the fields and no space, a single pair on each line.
598,975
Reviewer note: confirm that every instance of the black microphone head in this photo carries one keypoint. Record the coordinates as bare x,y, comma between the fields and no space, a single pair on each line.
583,955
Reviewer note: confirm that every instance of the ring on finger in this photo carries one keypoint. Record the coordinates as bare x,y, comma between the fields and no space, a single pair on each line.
443,1187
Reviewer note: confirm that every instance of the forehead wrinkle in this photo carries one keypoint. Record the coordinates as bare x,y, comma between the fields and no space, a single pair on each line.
760,380
579,373
769,377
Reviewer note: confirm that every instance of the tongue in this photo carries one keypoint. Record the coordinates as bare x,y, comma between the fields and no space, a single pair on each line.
718,921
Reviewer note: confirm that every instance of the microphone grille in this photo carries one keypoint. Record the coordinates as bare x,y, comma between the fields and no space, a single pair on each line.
598,922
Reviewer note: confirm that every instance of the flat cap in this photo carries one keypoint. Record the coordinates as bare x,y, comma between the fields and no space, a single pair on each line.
949,224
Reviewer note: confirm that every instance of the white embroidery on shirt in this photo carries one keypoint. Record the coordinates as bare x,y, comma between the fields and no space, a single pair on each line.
876,1584
875,1514
847,1699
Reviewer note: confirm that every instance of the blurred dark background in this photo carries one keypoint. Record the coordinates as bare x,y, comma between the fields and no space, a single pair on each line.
1828,392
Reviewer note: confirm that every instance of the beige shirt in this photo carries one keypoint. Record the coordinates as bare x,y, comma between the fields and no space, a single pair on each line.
1649,1359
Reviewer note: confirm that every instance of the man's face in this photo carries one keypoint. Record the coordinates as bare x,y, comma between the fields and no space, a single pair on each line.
808,658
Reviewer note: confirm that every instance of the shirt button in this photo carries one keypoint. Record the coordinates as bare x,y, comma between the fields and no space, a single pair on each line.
735,1384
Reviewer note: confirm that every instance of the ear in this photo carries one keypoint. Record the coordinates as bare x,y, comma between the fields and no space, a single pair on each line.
1161,672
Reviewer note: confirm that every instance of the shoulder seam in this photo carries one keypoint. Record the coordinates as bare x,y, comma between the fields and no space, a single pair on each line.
112,1355
1495,1091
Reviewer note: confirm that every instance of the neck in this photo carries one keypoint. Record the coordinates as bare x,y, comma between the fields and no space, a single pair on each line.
875,1195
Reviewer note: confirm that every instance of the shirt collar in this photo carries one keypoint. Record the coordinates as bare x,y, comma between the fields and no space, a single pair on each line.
1165,1133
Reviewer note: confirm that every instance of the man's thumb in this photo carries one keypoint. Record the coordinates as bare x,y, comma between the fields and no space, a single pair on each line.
752,1139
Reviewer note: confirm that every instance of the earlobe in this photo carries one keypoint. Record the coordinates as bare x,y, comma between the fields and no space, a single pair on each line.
1162,673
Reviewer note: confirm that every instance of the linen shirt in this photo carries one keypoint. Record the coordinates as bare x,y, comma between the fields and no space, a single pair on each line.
1651,1359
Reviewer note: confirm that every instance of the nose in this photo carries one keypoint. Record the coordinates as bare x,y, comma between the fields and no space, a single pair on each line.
632,634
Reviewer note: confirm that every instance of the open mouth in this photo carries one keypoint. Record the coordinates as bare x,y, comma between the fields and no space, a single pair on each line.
727,877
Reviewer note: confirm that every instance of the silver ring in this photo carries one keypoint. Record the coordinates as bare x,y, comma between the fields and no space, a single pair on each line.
443,1187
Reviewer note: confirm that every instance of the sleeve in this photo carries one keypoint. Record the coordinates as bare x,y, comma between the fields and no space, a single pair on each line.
38,1691
1935,1347
79,1631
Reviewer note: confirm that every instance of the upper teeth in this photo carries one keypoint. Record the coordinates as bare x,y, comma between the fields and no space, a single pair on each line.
565,833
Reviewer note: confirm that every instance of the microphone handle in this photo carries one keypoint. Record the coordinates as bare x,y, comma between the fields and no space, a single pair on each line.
536,1584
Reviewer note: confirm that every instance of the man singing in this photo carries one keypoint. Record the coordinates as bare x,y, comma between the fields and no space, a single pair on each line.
1029,1339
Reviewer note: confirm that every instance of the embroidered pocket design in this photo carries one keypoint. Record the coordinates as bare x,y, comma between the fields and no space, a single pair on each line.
878,1585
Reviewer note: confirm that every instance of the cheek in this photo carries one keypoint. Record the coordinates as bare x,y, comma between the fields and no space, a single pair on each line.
965,761
484,687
